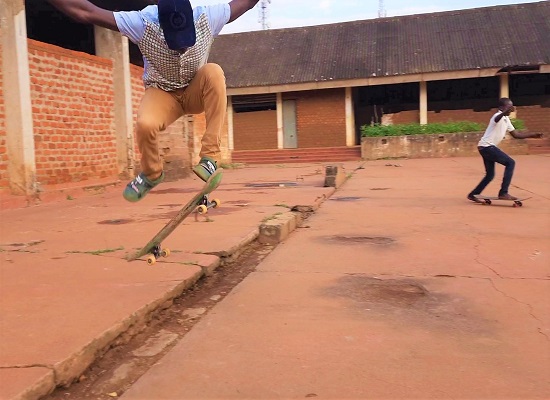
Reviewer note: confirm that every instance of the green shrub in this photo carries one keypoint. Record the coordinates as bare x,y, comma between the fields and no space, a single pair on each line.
378,130
519,124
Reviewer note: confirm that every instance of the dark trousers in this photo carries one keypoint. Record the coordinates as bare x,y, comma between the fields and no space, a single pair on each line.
492,155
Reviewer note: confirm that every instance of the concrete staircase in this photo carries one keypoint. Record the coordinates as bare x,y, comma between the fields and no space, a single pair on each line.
539,146
284,156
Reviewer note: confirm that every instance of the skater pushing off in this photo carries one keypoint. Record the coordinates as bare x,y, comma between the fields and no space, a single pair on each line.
175,41
488,148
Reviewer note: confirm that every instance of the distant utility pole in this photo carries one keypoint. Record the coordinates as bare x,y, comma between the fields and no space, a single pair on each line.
381,9
264,14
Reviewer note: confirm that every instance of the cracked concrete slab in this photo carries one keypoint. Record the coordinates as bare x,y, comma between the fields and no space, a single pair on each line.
67,292
31,382
412,292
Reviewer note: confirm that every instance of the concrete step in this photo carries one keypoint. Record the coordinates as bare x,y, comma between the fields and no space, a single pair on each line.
298,155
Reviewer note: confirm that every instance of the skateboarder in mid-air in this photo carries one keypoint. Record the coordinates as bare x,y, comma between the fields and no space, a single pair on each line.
175,41
491,154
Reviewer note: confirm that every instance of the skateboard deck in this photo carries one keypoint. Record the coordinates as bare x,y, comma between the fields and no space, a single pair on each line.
198,203
489,200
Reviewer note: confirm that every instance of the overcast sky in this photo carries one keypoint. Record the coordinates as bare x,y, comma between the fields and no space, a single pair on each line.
294,13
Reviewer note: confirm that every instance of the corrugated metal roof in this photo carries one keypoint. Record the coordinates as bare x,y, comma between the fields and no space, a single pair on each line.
447,41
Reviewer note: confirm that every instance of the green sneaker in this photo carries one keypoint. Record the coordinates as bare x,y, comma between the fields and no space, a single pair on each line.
137,188
206,168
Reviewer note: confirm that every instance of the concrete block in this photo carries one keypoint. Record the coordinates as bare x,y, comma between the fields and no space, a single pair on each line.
278,228
335,175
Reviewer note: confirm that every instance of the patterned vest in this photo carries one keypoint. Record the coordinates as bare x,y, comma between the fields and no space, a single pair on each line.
167,69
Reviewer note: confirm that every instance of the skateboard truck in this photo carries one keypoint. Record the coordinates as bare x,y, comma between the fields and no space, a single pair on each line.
204,205
156,253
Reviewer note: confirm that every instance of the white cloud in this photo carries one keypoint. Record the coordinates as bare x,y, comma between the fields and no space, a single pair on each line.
325,5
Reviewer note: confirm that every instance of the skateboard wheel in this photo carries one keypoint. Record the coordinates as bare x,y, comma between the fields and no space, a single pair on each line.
202,209
151,259
165,253
216,203
488,201
520,204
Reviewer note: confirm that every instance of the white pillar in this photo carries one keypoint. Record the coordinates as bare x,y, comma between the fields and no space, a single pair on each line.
504,85
230,133
17,98
280,133
505,89
111,44
350,118
423,103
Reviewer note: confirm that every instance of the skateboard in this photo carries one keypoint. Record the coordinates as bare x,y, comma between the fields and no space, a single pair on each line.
489,200
199,203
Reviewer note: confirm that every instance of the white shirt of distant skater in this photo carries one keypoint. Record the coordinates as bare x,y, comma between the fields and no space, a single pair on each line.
496,131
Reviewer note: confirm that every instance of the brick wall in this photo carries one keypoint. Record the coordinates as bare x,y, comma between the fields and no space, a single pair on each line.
73,118
535,111
196,128
481,117
403,117
536,117
72,110
321,118
255,130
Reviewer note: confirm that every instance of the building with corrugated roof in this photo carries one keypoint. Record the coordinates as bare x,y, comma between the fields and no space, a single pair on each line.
316,86
69,92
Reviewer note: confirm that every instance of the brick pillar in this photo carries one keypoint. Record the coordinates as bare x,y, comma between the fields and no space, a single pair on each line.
111,44
17,98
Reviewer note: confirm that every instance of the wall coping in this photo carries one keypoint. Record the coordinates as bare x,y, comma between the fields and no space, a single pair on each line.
53,49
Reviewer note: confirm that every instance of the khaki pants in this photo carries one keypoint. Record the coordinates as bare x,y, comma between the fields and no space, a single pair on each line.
158,109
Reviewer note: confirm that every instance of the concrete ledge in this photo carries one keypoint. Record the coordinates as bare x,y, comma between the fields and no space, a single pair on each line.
26,383
68,370
236,250
278,228
432,146
208,269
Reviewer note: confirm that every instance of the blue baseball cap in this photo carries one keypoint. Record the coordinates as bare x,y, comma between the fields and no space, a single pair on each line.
176,21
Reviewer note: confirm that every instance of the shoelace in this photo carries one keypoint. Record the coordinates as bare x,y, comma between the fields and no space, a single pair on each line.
209,166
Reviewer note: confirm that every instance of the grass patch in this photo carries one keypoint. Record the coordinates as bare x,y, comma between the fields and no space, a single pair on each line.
231,165
274,216
96,252
378,130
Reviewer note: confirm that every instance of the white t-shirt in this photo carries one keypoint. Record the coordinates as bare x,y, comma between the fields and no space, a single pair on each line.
496,131
131,23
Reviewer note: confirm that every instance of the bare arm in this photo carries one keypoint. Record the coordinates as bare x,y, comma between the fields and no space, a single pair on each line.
85,12
525,135
239,7
506,111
